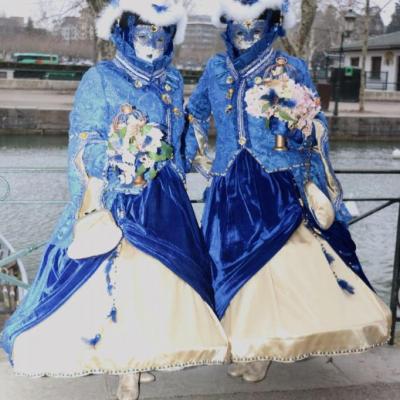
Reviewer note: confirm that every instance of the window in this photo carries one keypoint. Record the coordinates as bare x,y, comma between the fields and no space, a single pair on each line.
355,61
376,63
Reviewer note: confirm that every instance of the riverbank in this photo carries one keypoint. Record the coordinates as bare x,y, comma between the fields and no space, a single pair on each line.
44,112
370,376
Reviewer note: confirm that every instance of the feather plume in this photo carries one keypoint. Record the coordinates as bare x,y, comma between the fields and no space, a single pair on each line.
157,12
236,10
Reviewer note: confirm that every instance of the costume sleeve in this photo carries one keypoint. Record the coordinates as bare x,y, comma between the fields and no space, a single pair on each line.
88,125
198,114
319,140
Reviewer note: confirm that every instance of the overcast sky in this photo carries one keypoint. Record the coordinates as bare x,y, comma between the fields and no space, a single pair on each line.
32,8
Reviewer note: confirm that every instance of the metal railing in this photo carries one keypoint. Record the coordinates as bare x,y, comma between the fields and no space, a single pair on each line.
373,80
386,202
13,272
376,80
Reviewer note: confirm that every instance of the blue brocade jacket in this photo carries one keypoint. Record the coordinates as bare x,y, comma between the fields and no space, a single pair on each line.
117,101
221,93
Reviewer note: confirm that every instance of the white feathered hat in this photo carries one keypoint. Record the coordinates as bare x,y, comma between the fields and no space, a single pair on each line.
242,10
157,12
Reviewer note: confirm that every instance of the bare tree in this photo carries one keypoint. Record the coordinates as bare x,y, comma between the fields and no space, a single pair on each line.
364,56
102,49
298,42
96,5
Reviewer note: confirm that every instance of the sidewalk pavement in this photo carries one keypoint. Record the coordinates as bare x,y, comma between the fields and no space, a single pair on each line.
36,99
388,109
370,376
53,100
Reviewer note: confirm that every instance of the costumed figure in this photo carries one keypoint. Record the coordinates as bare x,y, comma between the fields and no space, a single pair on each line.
287,281
125,283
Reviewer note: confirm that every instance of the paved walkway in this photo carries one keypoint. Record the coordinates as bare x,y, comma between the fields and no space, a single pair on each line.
35,99
371,376
372,109
51,100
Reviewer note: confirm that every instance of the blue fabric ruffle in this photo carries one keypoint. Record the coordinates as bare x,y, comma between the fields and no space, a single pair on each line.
58,278
161,222
146,221
339,238
249,216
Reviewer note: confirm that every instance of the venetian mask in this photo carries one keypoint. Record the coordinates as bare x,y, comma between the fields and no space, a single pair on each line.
151,42
244,35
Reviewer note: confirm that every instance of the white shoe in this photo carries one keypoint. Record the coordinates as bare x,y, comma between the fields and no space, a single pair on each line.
256,371
147,377
236,370
128,387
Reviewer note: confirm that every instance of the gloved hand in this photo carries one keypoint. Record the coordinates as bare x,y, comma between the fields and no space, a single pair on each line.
278,127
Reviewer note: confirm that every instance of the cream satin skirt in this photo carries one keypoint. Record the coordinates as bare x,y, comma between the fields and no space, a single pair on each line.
294,308
162,323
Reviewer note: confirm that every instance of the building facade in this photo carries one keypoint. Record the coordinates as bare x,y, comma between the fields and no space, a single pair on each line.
383,60
77,28
202,41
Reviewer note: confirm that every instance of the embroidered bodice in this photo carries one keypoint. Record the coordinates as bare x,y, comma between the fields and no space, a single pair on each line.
224,92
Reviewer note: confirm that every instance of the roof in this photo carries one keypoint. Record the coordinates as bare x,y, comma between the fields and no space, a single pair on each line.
389,41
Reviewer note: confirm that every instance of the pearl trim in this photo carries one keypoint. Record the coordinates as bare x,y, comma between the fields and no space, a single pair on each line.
119,371
312,354
268,171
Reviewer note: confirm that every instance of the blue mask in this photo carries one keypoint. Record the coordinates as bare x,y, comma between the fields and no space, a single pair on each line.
150,42
243,35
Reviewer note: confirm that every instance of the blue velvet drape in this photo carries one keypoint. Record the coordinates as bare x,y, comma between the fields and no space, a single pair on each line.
160,222
249,216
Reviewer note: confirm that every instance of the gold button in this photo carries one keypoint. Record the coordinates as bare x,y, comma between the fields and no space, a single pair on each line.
258,80
177,111
229,80
168,88
190,118
84,135
138,84
228,108
126,108
154,28
242,140
229,95
166,98
281,61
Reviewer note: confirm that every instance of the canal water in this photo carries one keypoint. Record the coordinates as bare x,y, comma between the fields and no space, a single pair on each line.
27,224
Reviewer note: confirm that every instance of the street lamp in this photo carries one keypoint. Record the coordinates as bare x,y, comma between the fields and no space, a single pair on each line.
349,19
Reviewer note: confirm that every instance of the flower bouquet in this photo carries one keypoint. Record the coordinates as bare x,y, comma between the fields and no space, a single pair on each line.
136,148
283,103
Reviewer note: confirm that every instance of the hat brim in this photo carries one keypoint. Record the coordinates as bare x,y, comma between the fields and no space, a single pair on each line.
234,10
175,14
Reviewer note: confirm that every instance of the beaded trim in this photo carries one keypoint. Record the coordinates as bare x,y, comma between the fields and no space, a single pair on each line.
248,69
268,171
312,354
120,371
